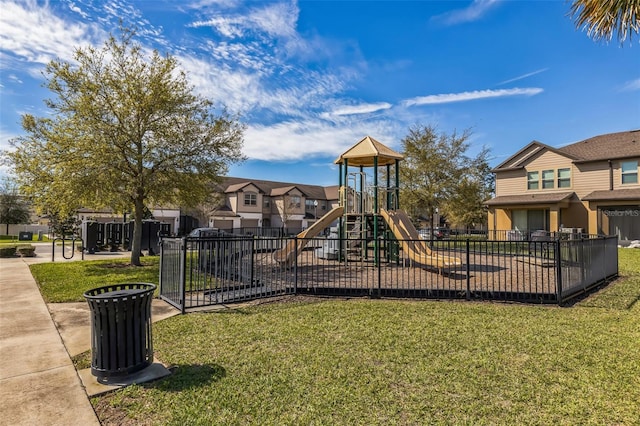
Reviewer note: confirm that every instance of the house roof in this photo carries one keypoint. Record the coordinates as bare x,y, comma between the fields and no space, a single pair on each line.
364,152
224,211
517,160
598,148
630,194
285,190
606,147
315,192
546,198
331,192
239,186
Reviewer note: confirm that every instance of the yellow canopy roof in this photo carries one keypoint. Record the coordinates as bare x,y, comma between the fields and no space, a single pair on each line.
363,153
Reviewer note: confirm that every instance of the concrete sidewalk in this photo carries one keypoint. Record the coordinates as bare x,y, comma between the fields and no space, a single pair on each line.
38,382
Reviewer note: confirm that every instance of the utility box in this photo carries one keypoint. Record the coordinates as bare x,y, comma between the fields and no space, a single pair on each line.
25,236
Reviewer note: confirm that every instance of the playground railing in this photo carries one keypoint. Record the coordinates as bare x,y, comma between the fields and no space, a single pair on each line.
209,271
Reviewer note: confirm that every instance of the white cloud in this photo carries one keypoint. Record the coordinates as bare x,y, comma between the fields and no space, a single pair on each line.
78,10
476,10
631,86
5,136
470,96
236,89
32,32
361,109
304,139
523,76
274,19
14,78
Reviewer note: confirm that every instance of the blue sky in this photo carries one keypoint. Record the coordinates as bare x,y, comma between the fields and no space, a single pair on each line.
312,78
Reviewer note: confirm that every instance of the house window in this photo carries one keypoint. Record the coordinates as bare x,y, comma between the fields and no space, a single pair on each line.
309,204
266,202
295,201
533,180
250,199
548,176
564,178
629,172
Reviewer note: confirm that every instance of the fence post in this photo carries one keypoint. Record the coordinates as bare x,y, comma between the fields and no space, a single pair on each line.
558,271
253,251
468,270
183,275
295,265
162,261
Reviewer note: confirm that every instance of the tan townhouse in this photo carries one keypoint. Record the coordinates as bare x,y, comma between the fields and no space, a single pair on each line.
590,185
251,203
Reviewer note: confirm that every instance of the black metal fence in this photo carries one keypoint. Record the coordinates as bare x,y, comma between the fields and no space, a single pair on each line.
204,272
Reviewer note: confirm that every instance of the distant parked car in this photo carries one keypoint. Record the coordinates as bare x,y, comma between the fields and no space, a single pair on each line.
204,232
438,233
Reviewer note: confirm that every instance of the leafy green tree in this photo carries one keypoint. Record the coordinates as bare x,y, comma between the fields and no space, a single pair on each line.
125,131
64,225
13,207
465,208
603,18
437,174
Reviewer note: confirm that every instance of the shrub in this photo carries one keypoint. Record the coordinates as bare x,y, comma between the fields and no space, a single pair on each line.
8,251
26,251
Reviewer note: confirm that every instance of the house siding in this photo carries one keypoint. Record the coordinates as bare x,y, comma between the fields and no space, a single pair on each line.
589,173
591,177
511,182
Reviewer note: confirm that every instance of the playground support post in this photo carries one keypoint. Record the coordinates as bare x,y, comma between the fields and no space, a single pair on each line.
375,211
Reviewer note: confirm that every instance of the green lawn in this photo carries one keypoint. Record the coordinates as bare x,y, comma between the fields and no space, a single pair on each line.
67,281
386,362
13,239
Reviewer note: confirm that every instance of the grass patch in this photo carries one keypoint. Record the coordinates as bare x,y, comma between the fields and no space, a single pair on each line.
13,239
624,293
385,362
67,281
82,360
393,362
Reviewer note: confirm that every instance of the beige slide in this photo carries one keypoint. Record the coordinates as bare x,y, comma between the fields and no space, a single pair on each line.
412,245
289,251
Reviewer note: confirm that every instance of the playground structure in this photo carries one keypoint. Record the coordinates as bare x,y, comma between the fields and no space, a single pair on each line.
369,213
374,250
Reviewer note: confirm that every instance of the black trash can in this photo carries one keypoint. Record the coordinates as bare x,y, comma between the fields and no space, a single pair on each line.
121,342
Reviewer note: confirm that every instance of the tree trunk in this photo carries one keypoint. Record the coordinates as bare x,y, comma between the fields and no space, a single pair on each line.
136,241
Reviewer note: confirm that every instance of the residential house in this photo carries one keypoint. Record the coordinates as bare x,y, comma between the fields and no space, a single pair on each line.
253,203
591,185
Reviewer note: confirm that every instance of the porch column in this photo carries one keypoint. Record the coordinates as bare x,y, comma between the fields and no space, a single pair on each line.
554,217
593,219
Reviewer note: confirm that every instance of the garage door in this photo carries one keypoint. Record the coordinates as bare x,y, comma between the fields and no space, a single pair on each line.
226,225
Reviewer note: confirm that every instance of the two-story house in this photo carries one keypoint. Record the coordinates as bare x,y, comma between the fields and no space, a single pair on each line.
592,185
252,203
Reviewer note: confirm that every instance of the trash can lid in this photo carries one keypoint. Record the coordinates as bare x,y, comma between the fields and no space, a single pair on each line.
119,291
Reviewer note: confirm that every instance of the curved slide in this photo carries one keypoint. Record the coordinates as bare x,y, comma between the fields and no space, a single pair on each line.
286,254
414,246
